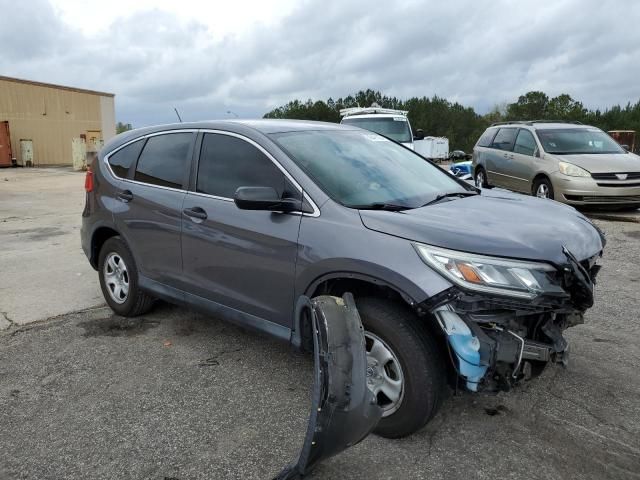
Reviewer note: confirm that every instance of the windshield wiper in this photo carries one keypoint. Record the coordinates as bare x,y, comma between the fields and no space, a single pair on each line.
442,196
390,207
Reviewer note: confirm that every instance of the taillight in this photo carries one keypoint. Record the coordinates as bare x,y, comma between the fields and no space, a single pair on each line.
88,181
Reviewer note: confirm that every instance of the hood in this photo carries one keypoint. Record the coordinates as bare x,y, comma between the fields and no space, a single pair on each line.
603,163
495,223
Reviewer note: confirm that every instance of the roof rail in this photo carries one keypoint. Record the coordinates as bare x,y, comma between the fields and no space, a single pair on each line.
531,122
576,122
512,122
346,112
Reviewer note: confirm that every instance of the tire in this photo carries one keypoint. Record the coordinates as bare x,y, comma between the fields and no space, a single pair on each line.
136,302
542,188
480,178
423,370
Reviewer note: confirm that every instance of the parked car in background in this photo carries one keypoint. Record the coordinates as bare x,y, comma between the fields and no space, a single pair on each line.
393,124
573,163
244,219
461,169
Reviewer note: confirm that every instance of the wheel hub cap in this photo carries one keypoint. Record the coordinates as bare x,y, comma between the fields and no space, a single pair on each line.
116,278
384,374
543,191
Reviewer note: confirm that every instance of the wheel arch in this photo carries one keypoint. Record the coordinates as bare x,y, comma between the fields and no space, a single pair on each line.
99,236
338,283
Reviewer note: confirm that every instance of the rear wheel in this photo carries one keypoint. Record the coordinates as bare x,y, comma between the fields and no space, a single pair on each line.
481,178
404,367
119,280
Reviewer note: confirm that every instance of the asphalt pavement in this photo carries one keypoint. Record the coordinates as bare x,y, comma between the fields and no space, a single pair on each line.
179,395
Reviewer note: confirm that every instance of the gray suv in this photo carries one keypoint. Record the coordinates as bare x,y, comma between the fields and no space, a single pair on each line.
569,162
242,219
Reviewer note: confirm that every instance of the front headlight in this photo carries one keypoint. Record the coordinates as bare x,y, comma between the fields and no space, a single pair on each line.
481,273
572,170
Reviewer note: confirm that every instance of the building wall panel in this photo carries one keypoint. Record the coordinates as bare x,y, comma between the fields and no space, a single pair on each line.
51,117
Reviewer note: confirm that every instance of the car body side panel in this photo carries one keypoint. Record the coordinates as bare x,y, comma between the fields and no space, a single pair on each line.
99,207
336,244
241,258
522,167
151,224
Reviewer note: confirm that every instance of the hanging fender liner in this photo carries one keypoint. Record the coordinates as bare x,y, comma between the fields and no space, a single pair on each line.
343,410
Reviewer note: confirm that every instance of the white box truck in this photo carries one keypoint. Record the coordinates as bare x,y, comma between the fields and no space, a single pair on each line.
433,148
385,121
395,125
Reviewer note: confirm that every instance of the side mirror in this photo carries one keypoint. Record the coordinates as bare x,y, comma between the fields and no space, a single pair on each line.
264,198
419,135
536,152
626,147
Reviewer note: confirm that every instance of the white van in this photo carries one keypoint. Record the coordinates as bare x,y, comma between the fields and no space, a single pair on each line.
385,121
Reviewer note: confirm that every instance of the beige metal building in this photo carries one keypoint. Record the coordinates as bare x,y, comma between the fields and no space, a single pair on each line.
52,124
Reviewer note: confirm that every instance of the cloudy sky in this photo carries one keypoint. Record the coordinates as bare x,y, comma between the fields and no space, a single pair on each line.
210,57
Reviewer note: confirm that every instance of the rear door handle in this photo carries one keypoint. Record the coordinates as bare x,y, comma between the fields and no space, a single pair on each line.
195,213
125,196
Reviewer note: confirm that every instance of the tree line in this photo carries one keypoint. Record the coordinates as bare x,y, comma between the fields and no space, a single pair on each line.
438,116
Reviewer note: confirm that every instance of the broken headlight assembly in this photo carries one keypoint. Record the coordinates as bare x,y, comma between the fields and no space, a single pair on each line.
493,275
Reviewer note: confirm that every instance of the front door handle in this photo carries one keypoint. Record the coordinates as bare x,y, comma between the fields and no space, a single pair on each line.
195,213
126,196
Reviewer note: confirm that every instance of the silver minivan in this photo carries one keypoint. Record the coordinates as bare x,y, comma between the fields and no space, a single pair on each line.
569,162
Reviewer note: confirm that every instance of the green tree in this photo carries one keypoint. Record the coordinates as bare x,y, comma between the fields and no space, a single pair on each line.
462,125
530,106
563,107
123,127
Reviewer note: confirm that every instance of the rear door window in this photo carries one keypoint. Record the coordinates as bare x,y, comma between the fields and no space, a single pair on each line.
525,143
504,139
487,136
124,158
164,160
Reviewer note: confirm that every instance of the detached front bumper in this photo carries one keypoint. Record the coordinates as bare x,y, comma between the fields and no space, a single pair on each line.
495,342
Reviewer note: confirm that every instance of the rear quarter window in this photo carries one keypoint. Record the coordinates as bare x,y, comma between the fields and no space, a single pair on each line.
486,137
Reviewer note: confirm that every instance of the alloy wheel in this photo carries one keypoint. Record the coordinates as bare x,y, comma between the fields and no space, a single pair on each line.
384,374
542,191
116,278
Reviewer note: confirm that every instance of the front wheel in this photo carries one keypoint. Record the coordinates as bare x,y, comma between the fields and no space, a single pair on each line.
405,369
542,188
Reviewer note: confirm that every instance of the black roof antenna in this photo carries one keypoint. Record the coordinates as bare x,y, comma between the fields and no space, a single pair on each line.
179,117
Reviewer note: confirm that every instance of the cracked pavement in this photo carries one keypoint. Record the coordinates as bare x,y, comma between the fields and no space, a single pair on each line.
179,395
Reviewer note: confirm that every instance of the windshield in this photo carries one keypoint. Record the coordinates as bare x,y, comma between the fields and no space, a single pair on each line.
572,141
396,128
360,168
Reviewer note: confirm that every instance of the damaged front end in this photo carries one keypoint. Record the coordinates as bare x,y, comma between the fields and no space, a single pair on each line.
497,338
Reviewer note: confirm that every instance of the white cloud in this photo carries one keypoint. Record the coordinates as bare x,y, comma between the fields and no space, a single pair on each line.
209,57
